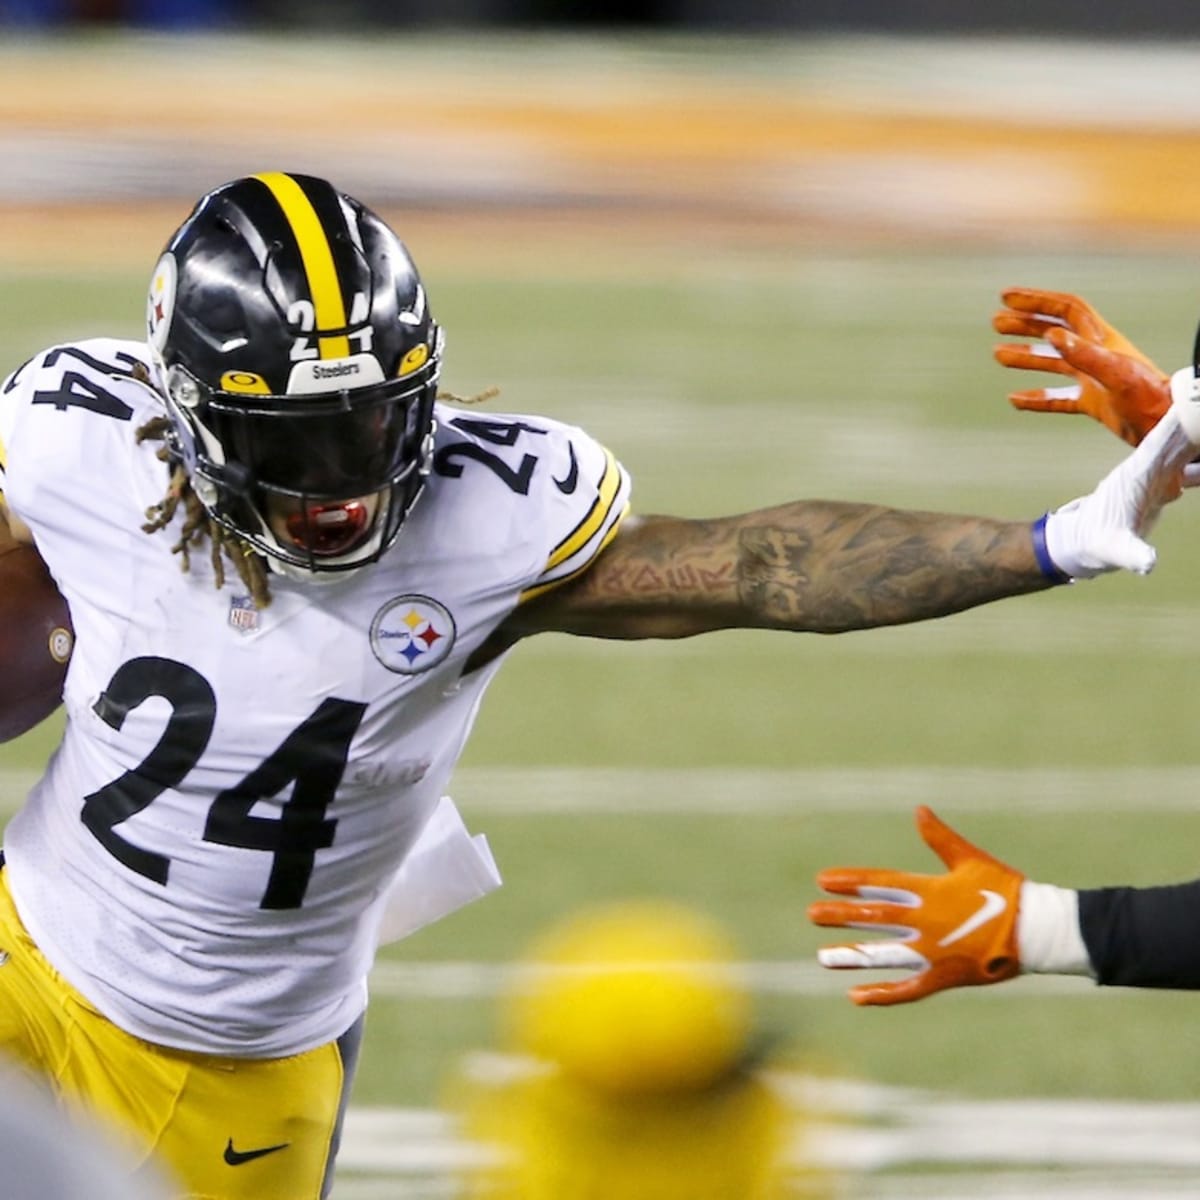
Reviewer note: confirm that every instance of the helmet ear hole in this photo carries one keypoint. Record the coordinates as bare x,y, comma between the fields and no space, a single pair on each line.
300,359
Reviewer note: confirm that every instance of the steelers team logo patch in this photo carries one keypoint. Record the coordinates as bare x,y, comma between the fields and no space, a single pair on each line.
160,303
412,634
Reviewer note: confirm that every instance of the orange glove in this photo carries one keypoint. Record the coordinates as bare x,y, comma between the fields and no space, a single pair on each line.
953,930
1114,382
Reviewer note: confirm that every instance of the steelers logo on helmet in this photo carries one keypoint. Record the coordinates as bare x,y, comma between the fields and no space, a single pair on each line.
412,634
160,302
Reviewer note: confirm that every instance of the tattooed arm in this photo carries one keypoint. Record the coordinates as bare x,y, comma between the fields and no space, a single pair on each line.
815,566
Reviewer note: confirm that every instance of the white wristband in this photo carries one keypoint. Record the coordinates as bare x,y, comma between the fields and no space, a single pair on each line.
1048,937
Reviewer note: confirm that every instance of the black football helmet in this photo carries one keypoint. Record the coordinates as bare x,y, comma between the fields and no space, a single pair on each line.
300,362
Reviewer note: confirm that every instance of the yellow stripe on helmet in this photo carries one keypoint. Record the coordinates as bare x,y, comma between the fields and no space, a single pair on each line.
317,258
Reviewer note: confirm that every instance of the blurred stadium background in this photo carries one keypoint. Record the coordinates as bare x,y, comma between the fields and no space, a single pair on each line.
759,264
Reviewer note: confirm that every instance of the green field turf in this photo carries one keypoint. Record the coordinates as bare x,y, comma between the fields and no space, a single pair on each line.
730,379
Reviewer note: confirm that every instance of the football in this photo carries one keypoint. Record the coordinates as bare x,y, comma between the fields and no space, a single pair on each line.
36,638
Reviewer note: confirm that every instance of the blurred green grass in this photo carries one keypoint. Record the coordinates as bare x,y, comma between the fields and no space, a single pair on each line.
728,378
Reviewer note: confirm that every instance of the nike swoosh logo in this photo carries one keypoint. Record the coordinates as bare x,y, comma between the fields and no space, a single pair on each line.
568,485
993,905
235,1158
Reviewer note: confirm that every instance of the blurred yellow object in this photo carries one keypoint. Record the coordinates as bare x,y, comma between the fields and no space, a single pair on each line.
558,1140
632,999
631,1071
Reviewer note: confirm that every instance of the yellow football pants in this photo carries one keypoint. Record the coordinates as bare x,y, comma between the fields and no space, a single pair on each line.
219,1128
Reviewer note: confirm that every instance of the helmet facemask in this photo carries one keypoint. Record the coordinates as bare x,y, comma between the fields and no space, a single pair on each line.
315,484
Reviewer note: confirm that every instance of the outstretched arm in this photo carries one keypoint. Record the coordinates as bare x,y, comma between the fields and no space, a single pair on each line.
826,567
813,566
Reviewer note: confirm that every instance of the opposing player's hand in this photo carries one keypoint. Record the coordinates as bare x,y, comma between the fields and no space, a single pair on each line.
1112,380
953,930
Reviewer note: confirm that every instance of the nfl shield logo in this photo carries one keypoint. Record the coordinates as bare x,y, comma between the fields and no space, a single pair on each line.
243,616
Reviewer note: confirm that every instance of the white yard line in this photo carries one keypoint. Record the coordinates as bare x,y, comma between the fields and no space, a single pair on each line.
751,791
466,980
619,791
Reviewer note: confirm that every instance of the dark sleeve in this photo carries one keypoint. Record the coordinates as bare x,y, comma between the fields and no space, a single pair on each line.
1143,937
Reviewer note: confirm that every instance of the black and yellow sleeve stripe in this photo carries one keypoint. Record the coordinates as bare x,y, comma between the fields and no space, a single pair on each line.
578,550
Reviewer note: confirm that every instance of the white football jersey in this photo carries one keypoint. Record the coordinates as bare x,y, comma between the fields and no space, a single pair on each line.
207,855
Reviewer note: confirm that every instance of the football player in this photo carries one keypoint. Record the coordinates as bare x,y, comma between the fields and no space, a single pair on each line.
634,1068
982,921
256,747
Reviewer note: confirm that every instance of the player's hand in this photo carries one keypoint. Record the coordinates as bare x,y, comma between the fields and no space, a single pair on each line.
1113,381
1105,531
953,930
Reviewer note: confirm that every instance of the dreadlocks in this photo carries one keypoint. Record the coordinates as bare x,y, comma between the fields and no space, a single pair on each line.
198,525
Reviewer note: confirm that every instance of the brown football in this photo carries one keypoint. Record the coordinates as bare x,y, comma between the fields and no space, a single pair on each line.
36,638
